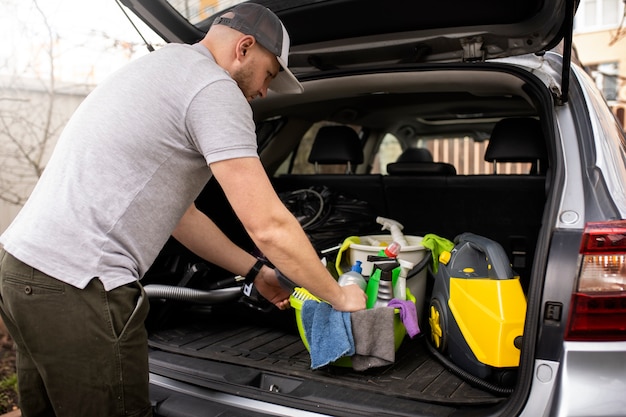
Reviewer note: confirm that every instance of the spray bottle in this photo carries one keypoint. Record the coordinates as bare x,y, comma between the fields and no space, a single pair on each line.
385,256
385,286
399,289
395,228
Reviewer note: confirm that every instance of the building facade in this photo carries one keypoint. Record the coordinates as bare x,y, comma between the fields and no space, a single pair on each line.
31,119
600,42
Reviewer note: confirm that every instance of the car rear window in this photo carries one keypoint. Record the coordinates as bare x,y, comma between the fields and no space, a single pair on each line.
465,153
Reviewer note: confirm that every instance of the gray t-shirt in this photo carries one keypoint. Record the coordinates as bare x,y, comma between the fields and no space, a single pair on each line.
131,160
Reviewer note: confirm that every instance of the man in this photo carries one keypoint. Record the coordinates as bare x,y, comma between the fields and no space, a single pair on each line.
122,179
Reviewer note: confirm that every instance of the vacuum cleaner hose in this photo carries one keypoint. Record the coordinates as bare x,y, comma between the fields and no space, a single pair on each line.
171,292
472,379
426,260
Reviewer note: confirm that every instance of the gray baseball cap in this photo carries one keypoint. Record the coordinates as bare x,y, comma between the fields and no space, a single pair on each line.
260,22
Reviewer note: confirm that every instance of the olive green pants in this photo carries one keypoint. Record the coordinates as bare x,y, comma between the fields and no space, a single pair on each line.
79,352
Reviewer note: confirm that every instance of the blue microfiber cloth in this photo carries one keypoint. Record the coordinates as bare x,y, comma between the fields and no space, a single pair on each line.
328,332
436,244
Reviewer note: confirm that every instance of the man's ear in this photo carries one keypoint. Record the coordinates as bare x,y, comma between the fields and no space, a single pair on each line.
244,44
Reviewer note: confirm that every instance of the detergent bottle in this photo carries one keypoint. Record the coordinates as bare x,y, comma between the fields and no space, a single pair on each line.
353,276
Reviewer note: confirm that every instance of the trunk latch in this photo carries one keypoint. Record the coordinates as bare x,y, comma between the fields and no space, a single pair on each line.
472,49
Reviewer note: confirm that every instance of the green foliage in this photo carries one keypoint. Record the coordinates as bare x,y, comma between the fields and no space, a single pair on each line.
8,393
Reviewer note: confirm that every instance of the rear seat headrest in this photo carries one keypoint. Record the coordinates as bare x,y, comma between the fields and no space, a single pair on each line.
415,155
336,145
419,161
421,168
517,140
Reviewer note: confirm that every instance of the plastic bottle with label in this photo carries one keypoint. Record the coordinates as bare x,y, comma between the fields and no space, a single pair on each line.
353,276
387,255
385,287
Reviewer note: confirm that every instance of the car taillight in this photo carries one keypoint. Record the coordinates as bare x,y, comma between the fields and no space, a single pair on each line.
598,307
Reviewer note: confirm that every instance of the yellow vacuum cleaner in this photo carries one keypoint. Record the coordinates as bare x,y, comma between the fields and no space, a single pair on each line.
477,310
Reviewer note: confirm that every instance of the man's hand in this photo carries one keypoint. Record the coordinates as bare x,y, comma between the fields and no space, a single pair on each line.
353,299
267,284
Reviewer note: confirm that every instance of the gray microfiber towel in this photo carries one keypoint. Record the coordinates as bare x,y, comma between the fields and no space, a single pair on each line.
373,334
328,332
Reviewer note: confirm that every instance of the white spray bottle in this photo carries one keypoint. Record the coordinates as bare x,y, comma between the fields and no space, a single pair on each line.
399,290
395,228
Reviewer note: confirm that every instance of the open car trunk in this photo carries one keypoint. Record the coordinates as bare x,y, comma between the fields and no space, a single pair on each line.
226,346
233,348
220,344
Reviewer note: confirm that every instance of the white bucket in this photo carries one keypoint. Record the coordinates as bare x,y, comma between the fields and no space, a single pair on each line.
413,253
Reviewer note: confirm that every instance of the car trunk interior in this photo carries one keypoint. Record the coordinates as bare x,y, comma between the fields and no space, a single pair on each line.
232,347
